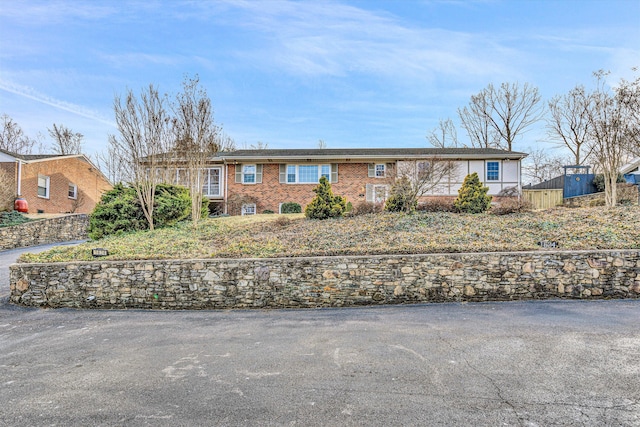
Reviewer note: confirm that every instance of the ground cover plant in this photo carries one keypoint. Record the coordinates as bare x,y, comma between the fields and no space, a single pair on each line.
7,219
390,233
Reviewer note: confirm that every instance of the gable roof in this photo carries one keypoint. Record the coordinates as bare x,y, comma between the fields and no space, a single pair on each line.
631,166
32,157
370,153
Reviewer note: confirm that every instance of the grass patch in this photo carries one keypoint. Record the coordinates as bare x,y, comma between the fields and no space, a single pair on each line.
262,236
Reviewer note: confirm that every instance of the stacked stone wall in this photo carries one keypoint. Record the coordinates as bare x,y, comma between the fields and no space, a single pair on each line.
44,231
328,282
624,192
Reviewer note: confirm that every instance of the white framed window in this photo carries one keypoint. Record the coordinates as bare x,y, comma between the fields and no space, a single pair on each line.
307,174
73,191
211,182
43,186
493,171
248,174
380,193
376,193
377,170
249,209
182,177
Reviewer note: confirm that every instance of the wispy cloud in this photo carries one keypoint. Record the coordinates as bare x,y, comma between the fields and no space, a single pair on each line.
33,94
327,38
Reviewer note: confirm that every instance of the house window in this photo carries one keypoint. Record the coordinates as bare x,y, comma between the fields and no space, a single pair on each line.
423,169
379,193
380,170
182,177
211,182
249,174
493,171
307,174
43,186
291,173
73,191
249,209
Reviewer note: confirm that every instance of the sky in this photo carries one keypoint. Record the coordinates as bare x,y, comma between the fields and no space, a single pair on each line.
353,73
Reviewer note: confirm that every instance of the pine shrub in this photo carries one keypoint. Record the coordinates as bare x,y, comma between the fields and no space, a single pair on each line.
325,205
119,210
472,196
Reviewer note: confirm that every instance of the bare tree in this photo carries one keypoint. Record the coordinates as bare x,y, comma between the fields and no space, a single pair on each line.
144,136
444,135
196,138
115,166
568,123
415,178
497,117
65,140
541,166
475,118
321,144
13,139
613,124
628,95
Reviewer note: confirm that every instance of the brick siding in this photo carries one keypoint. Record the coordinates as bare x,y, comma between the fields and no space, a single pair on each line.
352,181
61,173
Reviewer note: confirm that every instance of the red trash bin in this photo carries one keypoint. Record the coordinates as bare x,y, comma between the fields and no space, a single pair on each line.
21,205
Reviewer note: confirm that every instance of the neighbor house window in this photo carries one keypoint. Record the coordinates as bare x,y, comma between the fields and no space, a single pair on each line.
380,170
43,186
249,209
73,191
493,171
211,182
307,174
248,174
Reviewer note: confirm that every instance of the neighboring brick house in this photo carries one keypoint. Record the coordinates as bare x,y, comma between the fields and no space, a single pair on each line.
55,183
265,179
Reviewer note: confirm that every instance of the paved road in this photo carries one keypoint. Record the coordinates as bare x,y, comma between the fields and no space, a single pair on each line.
514,364
520,364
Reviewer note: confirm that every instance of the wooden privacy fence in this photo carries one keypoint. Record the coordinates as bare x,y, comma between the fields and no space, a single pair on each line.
543,199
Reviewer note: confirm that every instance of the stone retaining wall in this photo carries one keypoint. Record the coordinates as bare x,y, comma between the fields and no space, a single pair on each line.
43,231
624,192
328,282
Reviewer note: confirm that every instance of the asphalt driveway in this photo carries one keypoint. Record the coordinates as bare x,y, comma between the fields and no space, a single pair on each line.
482,364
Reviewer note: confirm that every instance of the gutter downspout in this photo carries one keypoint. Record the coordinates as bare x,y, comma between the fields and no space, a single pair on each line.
226,185
19,177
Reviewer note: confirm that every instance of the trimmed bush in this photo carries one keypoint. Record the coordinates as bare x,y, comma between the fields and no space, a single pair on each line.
437,204
510,205
290,207
325,204
472,196
119,210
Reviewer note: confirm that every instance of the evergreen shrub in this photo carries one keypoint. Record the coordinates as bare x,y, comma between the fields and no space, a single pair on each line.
325,204
472,196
